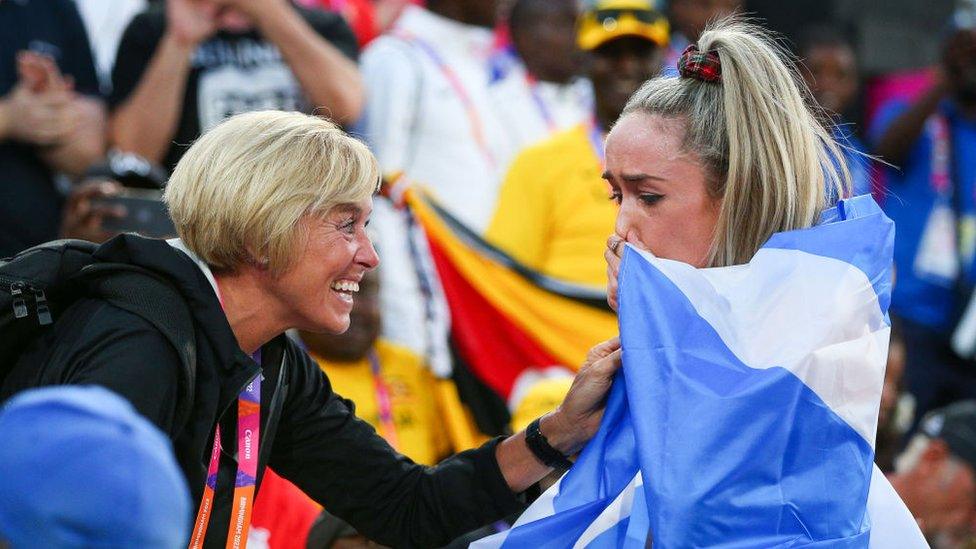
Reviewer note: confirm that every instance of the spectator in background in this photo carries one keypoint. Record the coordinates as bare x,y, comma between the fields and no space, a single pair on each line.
86,212
891,430
283,515
554,211
105,21
831,74
932,142
389,385
331,532
80,468
368,18
936,476
428,114
186,66
541,93
51,118
429,118
688,19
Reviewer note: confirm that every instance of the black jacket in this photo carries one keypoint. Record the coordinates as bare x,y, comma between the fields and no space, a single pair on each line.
309,434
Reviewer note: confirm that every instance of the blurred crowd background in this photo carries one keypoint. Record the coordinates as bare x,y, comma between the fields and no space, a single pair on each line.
498,108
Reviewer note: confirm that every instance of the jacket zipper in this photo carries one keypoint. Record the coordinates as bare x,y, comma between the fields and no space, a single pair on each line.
20,291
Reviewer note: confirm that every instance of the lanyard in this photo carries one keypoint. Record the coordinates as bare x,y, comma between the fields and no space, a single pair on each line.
248,435
474,119
595,131
384,401
941,176
540,103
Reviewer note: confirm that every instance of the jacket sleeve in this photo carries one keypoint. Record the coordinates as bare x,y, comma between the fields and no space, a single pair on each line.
342,463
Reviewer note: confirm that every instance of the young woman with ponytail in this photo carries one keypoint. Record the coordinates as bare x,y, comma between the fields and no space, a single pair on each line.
746,408
707,166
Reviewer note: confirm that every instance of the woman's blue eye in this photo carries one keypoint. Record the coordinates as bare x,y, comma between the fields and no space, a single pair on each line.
650,199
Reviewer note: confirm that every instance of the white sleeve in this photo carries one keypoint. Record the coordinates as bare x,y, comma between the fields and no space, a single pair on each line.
393,77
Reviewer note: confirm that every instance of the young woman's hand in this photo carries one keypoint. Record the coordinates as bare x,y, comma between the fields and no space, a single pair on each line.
612,254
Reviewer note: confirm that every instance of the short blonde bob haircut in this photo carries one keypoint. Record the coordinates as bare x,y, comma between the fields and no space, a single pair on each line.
767,154
239,193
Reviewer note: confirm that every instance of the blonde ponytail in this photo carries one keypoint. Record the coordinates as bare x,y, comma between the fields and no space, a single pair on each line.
769,158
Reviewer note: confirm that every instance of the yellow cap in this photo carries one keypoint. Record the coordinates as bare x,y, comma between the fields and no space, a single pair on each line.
542,397
607,20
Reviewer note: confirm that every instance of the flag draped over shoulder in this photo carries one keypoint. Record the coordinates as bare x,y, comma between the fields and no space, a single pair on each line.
746,410
506,318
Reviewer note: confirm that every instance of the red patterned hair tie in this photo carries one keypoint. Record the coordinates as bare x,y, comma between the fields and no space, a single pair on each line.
705,67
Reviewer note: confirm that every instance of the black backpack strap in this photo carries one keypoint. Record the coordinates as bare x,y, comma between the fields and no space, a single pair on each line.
158,302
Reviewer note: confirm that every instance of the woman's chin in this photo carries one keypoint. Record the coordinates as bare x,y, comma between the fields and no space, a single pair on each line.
339,325
335,323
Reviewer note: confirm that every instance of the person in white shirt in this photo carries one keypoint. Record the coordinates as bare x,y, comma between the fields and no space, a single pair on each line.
429,118
541,92
105,21
428,114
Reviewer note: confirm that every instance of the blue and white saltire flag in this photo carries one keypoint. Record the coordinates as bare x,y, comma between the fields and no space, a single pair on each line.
746,410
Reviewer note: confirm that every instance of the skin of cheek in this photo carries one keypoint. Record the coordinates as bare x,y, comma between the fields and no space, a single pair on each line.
681,225
327,256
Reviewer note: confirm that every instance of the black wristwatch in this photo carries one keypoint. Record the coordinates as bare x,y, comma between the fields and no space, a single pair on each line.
548,455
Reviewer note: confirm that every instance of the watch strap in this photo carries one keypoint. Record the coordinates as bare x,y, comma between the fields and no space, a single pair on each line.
542,450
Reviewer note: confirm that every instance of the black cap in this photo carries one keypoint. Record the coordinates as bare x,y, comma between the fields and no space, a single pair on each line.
130,170
956,425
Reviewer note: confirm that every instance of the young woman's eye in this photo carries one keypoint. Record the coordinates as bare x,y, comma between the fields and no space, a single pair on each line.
650,199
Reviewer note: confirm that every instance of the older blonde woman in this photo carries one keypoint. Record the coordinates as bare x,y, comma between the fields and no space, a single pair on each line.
271,209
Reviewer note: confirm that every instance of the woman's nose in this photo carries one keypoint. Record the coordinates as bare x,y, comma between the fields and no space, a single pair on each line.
367,255
625,219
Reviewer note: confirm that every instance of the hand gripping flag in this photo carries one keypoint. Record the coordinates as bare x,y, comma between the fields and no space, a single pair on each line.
746,410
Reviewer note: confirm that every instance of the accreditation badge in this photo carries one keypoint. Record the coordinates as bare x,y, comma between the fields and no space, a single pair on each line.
937,258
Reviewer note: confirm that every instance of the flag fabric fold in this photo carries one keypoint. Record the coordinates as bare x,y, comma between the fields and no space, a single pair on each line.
746,409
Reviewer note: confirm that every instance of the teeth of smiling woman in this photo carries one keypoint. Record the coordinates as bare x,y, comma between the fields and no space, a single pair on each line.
345,286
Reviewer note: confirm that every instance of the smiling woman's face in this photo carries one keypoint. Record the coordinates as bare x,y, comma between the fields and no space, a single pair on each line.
318,290
665,206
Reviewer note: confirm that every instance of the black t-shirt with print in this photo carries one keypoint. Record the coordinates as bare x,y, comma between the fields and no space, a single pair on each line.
230,73
30,205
